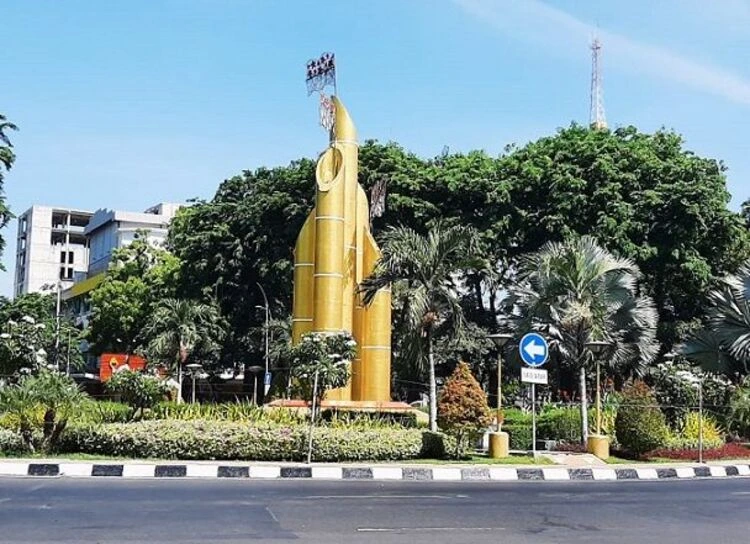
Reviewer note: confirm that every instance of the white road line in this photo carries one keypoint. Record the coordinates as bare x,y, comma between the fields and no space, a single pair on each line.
273,516
424,529
367,497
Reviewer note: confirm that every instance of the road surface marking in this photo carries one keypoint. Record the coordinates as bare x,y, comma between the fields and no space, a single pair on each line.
423,529
273,516
347,497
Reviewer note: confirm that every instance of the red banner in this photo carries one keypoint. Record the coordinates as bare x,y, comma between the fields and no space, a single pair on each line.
109,363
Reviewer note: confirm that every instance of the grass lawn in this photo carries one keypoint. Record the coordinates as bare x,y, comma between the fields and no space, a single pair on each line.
620,461
482,460
474,460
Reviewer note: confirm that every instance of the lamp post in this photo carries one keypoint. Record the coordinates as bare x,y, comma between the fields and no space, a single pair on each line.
58,304
499,339
598,444
499,445
194,369
697,382
266,329
255,370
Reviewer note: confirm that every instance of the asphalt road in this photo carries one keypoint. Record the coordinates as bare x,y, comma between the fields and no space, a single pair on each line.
230,511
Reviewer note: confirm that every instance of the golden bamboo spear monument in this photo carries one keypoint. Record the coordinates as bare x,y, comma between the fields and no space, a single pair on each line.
335,251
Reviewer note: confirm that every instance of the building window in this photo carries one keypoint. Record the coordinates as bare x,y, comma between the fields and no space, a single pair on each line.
62,257
70,257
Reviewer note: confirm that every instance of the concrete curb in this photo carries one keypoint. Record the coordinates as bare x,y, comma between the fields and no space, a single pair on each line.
364,472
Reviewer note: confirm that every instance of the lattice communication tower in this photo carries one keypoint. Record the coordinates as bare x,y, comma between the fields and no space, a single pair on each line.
597,117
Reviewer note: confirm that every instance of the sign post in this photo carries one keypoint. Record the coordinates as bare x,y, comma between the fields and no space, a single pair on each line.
533,420
534,352
266,383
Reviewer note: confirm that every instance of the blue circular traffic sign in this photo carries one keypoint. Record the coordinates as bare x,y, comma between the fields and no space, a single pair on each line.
533,349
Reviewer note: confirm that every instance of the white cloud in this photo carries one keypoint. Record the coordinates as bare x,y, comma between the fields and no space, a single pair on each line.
535,21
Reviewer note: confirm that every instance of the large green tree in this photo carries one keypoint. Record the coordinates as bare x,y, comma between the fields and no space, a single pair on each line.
7,158
138,277
576,292
643,196
426,269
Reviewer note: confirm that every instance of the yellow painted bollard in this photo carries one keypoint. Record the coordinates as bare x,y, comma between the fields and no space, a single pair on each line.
599,446
499,445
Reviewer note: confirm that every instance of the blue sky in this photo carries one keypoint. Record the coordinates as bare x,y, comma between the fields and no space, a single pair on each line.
125,104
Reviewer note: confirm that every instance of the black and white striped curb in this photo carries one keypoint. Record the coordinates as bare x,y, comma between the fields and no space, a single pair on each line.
372,472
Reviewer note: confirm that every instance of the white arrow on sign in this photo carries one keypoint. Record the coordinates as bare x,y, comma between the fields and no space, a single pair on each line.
535,350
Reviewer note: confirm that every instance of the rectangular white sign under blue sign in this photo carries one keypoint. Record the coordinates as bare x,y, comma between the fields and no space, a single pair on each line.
534,375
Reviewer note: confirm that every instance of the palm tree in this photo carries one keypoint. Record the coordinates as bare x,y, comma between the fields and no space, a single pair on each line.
576,292
723,344
426,269
6,153
178,328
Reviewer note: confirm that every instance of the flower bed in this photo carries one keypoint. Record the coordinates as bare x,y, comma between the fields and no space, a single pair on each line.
727,451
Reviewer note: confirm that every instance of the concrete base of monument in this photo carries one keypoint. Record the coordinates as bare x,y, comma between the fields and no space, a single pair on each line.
599,446
359,405
346,405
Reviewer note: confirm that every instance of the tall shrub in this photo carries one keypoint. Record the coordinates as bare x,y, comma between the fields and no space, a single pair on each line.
462,408
138,390
640,424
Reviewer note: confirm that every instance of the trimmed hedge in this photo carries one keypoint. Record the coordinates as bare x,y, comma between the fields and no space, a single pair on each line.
517,424
520,435
562,424
235,441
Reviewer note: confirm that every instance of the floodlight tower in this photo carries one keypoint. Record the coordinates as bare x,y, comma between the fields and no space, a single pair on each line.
597,118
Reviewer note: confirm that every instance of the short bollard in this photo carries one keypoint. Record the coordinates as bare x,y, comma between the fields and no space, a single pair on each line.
499,445
599,446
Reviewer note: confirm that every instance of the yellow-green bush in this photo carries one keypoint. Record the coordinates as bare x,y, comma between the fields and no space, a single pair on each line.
687,435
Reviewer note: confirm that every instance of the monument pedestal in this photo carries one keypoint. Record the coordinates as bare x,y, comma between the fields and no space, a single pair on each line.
499,445
599,446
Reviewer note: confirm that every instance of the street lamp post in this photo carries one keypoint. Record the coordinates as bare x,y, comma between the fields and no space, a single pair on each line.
266,329
57,327
255,370
500,339
697,381
499,441
598,442
194,369
58,303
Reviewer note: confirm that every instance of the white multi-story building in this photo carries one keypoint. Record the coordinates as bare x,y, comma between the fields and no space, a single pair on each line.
109,230
51,247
